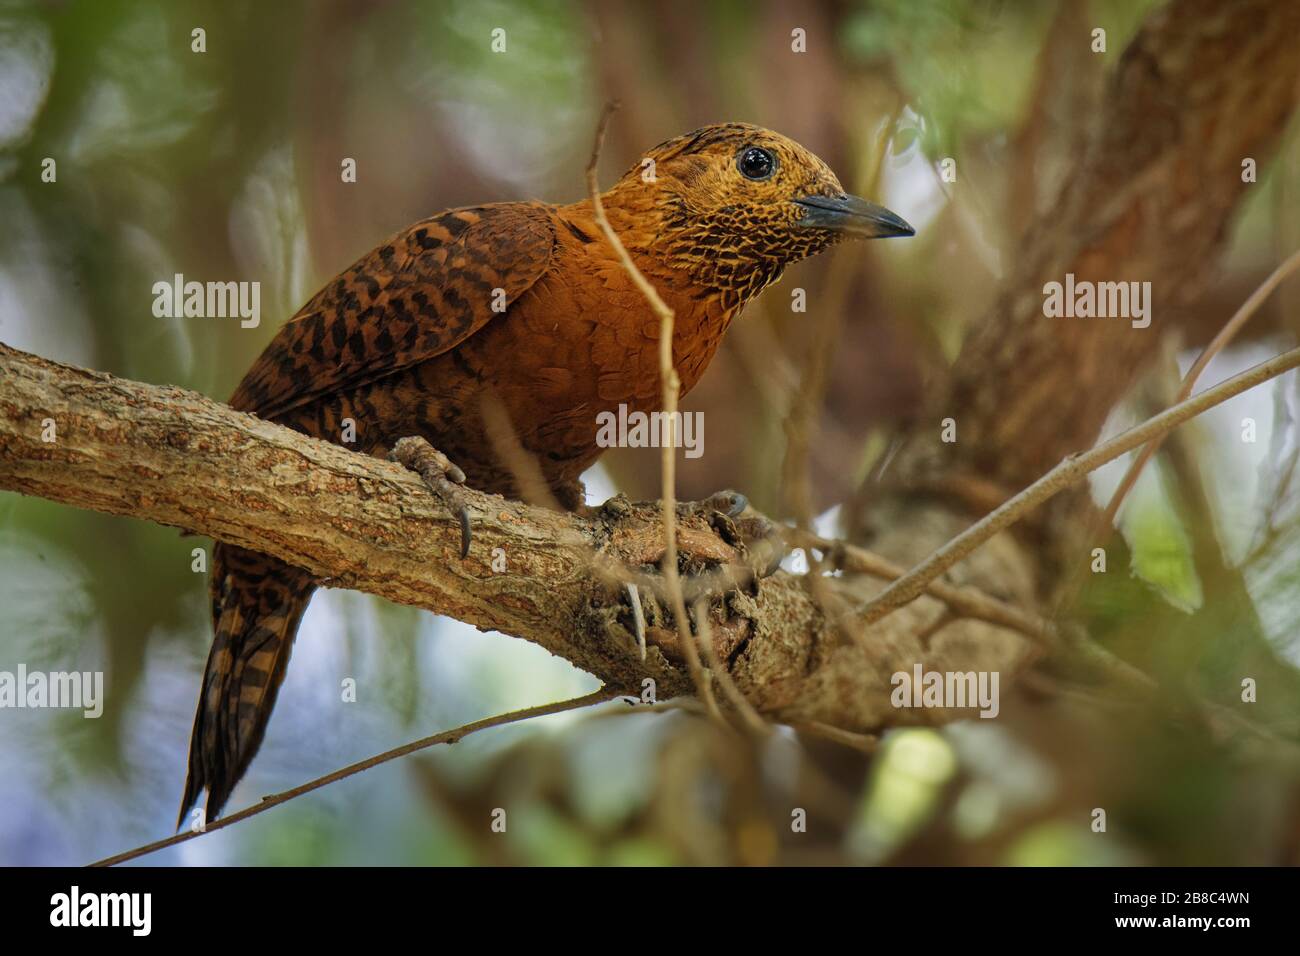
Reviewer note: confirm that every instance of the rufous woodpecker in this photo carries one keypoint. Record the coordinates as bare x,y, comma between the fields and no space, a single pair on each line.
526,302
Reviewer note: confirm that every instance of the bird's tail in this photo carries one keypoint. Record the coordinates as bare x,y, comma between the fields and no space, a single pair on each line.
257,602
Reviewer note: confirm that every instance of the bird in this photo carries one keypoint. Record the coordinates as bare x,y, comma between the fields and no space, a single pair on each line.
525,305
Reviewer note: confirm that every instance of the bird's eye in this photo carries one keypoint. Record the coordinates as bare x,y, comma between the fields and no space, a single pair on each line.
755,163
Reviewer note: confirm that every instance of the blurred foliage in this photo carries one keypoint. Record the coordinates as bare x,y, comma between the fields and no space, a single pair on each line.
225,164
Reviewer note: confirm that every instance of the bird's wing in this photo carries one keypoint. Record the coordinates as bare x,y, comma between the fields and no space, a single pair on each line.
421,293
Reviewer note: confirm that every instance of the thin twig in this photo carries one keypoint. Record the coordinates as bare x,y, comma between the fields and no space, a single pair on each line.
803,423
912,584
446,737
968,602
1217,345
866,743
522,465
974,604
671,386
754,723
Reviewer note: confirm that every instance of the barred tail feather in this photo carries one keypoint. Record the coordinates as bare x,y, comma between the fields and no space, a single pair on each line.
257,604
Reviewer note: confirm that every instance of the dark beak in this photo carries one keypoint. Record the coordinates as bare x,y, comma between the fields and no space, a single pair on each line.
852,216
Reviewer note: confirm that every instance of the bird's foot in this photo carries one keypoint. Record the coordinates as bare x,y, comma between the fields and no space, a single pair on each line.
747,535
727,502
729,515
441,475
715,607
721,554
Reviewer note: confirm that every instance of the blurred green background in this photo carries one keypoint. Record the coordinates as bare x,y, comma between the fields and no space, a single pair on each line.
226,165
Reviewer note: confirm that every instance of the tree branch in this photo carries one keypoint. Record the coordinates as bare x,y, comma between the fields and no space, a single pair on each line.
171,456
163,454
174,457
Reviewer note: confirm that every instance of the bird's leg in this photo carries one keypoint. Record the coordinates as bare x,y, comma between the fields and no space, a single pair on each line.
571,495
440,474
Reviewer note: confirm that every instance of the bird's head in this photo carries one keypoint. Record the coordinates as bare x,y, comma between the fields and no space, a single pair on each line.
734,204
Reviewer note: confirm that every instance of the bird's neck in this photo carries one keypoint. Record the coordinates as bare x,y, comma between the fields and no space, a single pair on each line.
676,248
704,301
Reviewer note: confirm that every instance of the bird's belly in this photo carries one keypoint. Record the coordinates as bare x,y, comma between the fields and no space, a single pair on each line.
549,387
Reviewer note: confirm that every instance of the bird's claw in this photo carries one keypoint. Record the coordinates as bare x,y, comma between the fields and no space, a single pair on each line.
441,475
723,549
638,616
653,622
761,540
